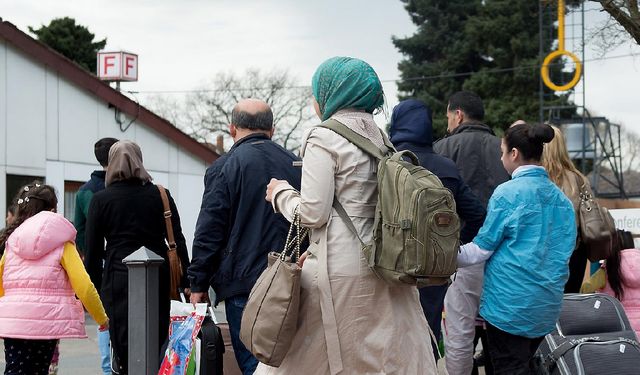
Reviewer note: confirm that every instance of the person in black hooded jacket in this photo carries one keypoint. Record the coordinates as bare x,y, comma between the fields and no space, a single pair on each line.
411,129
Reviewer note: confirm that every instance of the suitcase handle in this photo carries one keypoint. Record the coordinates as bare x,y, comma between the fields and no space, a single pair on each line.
561,350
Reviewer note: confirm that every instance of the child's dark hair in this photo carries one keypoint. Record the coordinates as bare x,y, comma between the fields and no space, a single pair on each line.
101,150
622,240
30,200
528,139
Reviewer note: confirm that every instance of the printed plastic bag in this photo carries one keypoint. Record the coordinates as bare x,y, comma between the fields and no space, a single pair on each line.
183,329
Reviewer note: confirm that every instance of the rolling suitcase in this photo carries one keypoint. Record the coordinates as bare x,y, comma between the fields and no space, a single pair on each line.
584,314
593,336
608,353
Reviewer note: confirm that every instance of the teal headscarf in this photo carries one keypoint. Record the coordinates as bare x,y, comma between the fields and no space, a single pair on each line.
345,82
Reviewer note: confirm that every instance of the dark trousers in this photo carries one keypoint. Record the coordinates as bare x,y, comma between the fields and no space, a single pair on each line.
511,354
577,266
31,357
481,336
432,301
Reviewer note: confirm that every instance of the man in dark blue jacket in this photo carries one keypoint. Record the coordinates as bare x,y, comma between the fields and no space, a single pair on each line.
411,129
237,228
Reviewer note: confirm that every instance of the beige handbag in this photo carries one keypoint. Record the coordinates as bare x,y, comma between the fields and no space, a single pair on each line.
270,317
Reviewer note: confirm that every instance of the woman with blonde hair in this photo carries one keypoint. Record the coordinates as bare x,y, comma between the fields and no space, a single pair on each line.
562,171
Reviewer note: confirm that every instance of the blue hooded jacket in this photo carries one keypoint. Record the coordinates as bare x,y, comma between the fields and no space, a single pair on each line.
412,129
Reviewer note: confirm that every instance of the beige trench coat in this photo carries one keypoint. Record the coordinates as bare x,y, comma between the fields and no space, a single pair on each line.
350,321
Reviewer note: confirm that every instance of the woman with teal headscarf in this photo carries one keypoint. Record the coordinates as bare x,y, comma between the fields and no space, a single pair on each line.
350,321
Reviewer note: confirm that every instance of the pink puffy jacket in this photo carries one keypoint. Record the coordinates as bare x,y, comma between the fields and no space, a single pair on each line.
630,269
38,301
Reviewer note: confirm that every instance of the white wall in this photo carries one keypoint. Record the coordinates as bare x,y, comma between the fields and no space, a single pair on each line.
25,104
48,127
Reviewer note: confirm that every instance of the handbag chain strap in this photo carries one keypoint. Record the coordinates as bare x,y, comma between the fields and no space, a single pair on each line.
586,197
297,240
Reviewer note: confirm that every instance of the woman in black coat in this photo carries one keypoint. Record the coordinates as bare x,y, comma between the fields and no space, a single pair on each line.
129,214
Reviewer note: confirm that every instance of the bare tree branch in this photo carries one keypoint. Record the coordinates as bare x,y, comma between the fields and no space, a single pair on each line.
626,13
206,114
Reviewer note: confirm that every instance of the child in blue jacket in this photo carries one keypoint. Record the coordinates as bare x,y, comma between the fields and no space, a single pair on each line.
527,240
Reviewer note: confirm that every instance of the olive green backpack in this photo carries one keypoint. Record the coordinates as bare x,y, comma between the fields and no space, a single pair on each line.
416,231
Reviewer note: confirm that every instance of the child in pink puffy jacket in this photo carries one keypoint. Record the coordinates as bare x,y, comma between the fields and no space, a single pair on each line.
620,277
40,275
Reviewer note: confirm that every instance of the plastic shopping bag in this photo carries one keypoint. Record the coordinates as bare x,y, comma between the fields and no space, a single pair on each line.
183,329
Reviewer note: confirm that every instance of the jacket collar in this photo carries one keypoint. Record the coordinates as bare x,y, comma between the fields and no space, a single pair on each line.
529,170
254,136
472,127
98,174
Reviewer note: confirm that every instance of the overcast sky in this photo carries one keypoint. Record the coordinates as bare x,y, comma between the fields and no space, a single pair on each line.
182,43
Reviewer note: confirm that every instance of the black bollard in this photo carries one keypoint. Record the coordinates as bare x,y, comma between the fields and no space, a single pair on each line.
143,267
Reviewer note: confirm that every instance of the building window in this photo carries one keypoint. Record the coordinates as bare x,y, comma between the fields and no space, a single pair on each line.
70,190
14,183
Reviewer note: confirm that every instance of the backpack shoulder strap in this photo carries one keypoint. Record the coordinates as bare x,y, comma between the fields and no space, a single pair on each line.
359,141
345,217
387,141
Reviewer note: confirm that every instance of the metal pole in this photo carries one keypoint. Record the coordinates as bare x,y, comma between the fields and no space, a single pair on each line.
144,274
541,56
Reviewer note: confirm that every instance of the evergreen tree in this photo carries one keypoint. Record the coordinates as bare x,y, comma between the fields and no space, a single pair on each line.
72,40
490,47
439,47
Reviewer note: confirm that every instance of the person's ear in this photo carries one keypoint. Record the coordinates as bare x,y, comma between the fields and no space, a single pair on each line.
515,154
271,132
232,131
459,116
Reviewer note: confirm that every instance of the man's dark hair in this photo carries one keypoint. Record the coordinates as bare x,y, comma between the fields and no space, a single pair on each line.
469,103
262,120
101,150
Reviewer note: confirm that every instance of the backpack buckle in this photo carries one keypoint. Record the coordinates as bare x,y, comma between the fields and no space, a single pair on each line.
405,224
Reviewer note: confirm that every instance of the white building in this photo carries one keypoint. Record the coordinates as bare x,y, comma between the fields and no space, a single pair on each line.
52,112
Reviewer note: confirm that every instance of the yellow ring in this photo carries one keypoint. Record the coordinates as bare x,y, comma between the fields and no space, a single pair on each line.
544,70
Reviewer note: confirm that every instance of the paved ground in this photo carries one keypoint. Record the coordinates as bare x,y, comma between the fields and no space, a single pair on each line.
78,356
82,356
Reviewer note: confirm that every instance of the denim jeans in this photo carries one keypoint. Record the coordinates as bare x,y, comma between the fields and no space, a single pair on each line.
234,307
103,345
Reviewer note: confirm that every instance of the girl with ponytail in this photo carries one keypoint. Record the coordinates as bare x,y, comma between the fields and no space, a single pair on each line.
40,275
619,277
526,240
